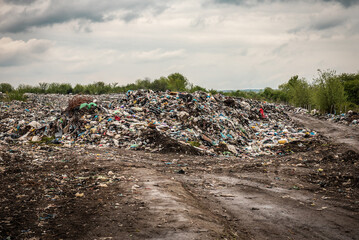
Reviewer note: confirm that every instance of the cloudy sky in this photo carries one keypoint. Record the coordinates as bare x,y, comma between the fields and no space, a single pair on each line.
219,44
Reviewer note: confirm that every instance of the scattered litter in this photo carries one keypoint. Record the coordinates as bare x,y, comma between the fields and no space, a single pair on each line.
200,123
79,194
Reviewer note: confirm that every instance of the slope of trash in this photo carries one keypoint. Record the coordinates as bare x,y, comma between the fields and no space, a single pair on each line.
197,123
350,118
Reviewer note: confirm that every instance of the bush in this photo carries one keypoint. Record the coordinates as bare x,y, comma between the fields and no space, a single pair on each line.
329,92
15,95
6,88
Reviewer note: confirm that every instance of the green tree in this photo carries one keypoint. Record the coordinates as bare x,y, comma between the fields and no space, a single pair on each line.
296,91
63,88
197,88
213,91
22,88
143,84
43,87
351,86
6,87
329,91
269,94
177,82
160,84
78,89
131,86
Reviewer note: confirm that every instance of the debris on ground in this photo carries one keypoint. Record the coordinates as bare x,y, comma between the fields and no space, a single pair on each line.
350,118
198,123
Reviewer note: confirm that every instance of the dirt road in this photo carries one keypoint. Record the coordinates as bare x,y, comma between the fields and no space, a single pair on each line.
309,190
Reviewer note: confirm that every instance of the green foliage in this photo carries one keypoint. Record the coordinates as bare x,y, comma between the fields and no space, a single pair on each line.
15,95
78,89
46,140
160,84
97,88
351,86
213,91
143,84
28,89
328,91
177,82
296,91
6,88
63,88
194,143
43,87
197,88
272,94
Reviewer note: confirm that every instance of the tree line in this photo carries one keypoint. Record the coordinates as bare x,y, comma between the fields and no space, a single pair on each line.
329,92
173,82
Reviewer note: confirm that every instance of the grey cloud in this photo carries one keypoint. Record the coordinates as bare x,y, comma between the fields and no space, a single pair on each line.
130,16
20,2
278,50
241,2
345,3
354,28
18,52
324,24
19,19
82,26
321,24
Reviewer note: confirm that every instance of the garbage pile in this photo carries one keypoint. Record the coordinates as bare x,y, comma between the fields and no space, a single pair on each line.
350,118
198,123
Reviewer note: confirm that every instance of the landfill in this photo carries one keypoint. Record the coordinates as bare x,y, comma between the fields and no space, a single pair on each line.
350,118
194,123
70,168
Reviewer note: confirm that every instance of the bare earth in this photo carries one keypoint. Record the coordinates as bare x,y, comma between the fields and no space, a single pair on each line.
309,190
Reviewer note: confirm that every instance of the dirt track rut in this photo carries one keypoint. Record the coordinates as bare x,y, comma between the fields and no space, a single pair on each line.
261,203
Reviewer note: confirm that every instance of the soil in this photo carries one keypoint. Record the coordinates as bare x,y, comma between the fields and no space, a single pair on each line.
308,190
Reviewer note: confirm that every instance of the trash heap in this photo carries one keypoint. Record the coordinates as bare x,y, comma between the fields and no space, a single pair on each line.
350,118
198,123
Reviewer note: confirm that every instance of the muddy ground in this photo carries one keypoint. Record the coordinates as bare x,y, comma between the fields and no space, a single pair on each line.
308,190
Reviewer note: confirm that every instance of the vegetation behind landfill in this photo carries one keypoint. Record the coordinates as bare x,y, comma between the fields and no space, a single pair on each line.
328,92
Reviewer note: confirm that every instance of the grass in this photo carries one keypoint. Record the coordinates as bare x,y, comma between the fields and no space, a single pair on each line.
14,95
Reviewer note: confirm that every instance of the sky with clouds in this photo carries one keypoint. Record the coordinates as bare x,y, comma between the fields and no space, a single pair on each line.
219,44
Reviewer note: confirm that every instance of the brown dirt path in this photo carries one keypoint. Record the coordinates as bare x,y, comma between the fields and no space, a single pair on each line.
220,198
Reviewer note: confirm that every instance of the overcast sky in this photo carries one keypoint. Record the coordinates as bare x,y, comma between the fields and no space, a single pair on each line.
219,44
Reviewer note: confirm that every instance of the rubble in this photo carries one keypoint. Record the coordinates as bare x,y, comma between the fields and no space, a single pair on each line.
198,123
351,118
